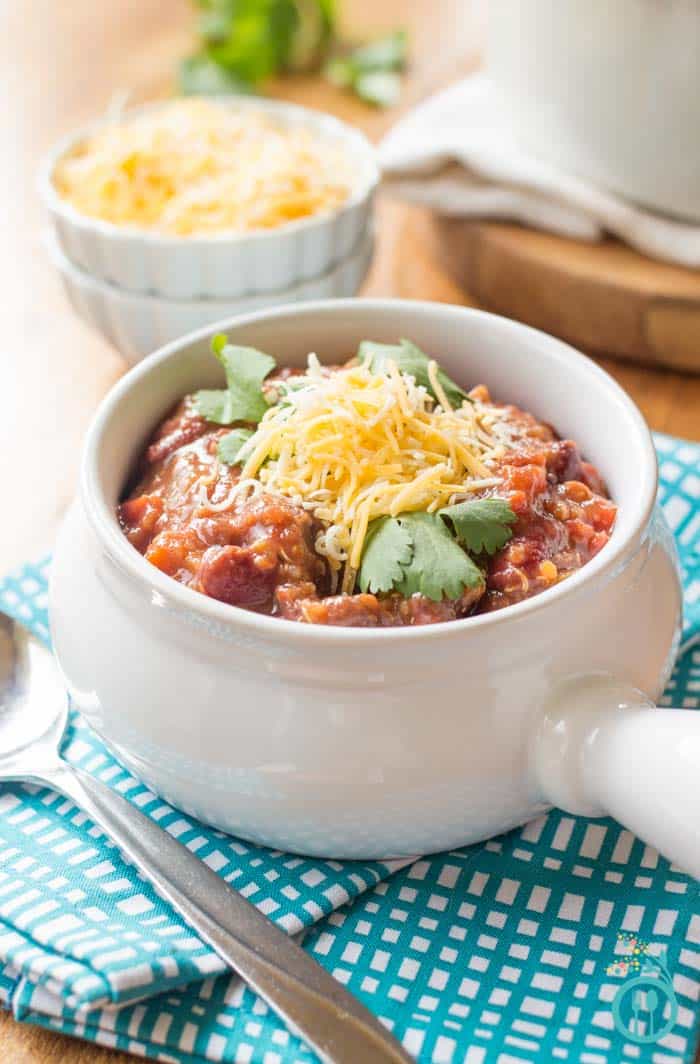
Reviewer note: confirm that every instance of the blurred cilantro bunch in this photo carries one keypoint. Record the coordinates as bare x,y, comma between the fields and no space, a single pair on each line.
244,42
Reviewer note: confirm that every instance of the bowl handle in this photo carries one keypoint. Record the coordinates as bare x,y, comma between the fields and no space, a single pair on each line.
603,749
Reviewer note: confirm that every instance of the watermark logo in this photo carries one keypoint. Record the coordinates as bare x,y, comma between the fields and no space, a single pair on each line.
645,1007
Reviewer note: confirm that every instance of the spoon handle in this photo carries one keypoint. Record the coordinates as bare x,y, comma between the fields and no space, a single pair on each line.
309,999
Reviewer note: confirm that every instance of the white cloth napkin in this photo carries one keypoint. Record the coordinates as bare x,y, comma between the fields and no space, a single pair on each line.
456,154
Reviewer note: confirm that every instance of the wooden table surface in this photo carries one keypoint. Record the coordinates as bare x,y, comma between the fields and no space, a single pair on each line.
62,63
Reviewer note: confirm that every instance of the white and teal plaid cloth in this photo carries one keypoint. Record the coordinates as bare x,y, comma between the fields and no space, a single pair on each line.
495,953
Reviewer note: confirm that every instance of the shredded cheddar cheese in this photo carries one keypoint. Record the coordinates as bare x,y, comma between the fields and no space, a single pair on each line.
195,167
354,445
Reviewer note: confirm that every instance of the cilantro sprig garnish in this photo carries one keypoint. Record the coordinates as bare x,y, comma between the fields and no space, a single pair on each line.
387,552
242,43
409,359
480,525
242,399
372,71
417,553
231,444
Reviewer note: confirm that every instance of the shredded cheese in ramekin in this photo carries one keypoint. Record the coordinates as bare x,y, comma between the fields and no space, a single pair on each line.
195,166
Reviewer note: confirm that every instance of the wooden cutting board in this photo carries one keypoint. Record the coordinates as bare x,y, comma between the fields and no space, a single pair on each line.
603,297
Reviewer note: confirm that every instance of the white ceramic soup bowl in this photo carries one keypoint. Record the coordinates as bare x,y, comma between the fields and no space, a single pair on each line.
365,743
225,265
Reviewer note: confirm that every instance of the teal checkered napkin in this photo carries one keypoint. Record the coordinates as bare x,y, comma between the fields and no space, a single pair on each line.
498,953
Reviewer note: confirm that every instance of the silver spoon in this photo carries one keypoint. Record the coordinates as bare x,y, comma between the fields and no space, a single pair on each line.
33,715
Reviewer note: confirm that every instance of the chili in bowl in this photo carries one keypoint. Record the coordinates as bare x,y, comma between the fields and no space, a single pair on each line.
375,493
219,633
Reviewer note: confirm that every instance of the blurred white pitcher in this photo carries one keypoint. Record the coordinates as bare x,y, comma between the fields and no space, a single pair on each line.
606,89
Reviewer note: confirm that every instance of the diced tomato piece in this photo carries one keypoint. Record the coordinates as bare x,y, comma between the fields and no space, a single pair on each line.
601,513
598,542
138,518
168,553
580,532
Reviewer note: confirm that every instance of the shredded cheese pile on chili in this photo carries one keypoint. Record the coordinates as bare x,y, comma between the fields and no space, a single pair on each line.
354,445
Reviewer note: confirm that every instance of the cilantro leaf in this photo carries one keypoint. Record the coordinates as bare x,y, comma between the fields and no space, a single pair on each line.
384,53
388,547
372,71
410,360
480,524
439,567
416,553
243,42
381,88
201,76
242,399
230,445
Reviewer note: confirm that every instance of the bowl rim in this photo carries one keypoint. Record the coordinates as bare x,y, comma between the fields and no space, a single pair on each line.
317,120
103,520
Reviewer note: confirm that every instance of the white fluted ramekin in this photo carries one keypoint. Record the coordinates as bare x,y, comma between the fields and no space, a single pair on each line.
350,742
138,324
223,265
